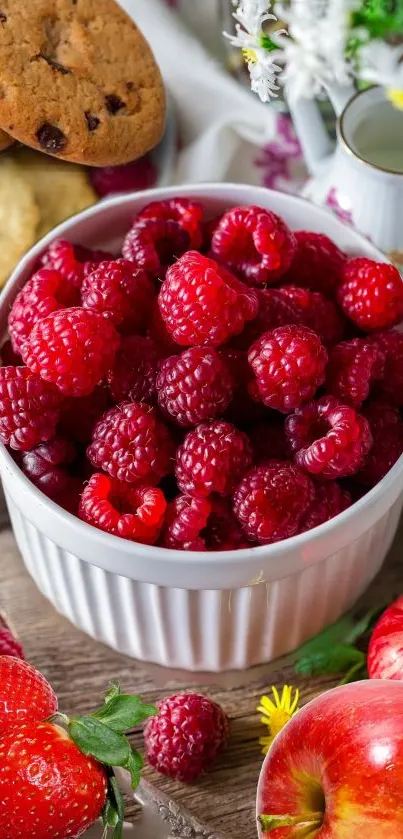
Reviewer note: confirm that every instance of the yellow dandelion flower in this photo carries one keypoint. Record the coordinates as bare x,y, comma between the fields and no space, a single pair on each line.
396,97
276,712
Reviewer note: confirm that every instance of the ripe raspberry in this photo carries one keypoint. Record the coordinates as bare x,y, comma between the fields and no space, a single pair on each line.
268,440
371,294
212,458
254,242
387,433
328,439
184,739
134,372
194,386
8,642
131,177
120,292
242,410
73,349
153,244
391,385
271,499
132,512
202,303
9,358
69,260
186,518
188,214
317,263
330,500
79,416
289,365
131,444
47,291
29,408
352,369
47,466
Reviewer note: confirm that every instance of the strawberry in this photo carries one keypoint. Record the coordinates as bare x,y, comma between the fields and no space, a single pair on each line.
24,694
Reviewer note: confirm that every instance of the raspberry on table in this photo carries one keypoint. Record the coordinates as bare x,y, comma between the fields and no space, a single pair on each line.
132,444
79,416
212,458
134,512
152,244
271,500
120,292
47,465
317,263
194,386
353,368
46,292
243,411
202,303
184,739
186,518
131,177
387,432
69,260
133,375
371,294
268,440
73,349
185,212
391,385
254,242
328,439
29,408
289,366
8,356
330,499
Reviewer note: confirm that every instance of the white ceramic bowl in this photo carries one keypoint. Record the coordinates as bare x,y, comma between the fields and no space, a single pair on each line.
196,611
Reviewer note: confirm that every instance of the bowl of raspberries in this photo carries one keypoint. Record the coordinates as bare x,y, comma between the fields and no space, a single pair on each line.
200,425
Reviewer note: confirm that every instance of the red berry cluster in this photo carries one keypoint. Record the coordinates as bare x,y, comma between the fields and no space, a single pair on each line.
223,383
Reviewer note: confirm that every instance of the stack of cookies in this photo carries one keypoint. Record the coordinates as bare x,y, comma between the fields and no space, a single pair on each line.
78,84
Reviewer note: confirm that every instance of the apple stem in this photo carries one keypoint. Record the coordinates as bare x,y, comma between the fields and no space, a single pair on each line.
311,821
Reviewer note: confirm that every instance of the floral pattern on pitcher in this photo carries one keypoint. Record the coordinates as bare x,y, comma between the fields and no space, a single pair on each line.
281,160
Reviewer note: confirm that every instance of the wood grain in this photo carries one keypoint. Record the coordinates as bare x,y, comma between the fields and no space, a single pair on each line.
80,668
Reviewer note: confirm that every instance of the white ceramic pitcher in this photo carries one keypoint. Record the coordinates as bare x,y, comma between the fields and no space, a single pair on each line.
363,176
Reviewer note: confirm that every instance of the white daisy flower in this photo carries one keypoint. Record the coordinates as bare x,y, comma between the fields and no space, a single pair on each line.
250,17
382,63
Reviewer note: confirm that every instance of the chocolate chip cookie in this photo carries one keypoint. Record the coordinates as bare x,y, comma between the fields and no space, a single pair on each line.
78,81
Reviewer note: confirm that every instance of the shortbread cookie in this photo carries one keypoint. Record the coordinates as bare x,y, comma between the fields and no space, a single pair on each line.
78,81
19,217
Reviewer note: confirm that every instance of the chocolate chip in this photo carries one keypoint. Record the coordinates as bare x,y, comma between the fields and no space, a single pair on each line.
114,103
51,138
130,86
60,68
92,121
3,17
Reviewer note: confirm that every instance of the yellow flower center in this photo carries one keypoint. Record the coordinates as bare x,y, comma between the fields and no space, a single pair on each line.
396,97
249,55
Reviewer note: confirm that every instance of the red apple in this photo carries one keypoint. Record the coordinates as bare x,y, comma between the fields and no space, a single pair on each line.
336,770
385,653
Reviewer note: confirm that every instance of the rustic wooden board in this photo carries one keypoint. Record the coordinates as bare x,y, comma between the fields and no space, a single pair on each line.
79,669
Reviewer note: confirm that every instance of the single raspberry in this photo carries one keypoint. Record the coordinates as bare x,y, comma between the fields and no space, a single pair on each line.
46,292
131,177
352,369
132,512
188,214
371,294
69,260
29,408
330,499
79,416
47,466
159,333
329,439
9,358
387,433
9,645
202,303
212,458
153,244
131,444
254,242
120,292
289,365
268,440
194,386
271,499
186,518
391,385
134,373
184,739
317,262
242,410
73,349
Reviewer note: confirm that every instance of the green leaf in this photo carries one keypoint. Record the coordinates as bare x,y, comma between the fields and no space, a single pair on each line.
335,659
120,808
335,634
362,626
135,766
94,738
124,712
112,692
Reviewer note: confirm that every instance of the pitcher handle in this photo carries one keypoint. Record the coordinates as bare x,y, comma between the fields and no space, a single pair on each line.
310,127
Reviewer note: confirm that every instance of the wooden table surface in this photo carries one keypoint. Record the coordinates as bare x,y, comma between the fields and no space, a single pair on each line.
79,670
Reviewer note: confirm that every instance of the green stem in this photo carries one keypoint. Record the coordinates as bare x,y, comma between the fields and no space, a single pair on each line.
311,821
